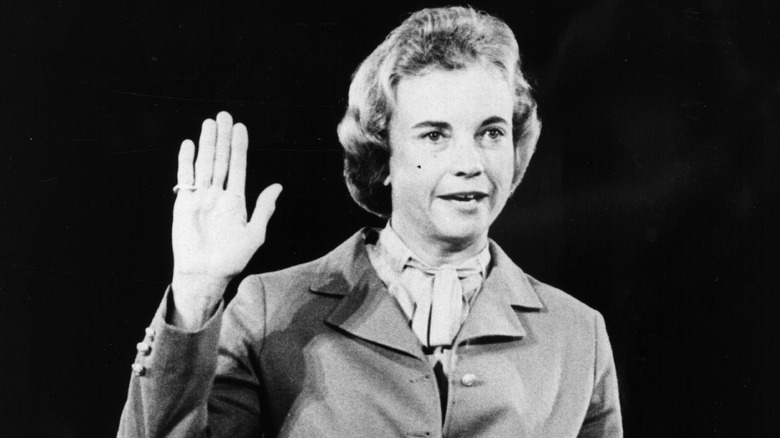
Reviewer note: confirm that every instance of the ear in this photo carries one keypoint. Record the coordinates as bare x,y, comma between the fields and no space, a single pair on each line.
524,153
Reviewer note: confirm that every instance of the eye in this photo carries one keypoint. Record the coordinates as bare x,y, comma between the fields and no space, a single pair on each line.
493,133
434,136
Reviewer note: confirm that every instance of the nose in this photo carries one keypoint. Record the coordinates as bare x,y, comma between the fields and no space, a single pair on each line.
467,159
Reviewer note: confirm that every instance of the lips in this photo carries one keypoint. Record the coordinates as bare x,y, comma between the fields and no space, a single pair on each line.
464,196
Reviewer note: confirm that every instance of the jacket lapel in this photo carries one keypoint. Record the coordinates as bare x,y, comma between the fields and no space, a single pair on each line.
506,289
366,310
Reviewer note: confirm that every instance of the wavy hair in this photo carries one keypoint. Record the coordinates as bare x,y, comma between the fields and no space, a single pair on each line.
447,39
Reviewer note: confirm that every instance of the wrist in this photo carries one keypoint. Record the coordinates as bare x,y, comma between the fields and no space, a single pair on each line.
195,298
200,287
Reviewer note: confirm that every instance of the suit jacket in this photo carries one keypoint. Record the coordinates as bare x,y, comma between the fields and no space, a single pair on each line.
323,350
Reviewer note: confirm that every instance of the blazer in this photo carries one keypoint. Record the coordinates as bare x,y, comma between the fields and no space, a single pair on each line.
323,350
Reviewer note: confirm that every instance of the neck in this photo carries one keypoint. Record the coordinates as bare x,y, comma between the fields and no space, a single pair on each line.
435,251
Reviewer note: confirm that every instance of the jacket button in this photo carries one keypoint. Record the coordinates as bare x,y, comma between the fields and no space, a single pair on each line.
468,379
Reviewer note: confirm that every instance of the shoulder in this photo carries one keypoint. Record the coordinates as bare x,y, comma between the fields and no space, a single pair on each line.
564,323
287,288
558,302
543,302
335,270
291,278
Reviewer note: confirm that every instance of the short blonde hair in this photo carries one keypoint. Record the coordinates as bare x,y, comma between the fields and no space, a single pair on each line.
449,38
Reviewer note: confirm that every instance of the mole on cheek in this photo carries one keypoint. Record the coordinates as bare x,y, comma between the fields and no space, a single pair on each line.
419,167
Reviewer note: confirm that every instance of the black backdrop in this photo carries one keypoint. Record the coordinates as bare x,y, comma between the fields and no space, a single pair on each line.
652,196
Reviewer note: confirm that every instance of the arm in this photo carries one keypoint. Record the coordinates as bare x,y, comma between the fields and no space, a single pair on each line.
212,242
167,397
603,418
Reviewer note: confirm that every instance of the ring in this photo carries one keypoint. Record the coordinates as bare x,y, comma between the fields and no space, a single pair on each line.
178,187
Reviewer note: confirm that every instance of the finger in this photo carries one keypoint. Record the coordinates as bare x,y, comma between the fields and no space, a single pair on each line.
266,204
222,155
237,173
204,165
185,175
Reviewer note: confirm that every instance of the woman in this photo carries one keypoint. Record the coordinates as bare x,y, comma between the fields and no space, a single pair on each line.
424,328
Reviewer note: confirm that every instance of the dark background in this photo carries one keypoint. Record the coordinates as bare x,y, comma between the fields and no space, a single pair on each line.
652,196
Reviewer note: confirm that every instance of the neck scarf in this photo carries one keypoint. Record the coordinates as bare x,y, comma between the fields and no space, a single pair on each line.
435,299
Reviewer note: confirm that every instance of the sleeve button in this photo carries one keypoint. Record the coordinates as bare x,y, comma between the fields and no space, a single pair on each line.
143,347
468,379
138,369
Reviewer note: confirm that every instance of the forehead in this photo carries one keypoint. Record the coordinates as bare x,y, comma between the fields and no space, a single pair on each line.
478,91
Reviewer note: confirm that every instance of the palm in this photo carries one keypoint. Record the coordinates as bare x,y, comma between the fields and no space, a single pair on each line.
209,234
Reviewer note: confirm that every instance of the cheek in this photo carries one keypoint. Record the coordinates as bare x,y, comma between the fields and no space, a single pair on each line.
406,180
413,170
502,171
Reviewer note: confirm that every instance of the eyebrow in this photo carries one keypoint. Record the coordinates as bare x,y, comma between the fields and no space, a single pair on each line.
444,125
494,120
432,124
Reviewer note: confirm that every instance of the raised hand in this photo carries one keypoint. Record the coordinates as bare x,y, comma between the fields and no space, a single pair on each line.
212,237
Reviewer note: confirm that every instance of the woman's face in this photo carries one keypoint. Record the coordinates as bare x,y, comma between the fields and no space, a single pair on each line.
452,157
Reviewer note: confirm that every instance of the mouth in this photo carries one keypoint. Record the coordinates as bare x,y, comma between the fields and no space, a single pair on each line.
464,197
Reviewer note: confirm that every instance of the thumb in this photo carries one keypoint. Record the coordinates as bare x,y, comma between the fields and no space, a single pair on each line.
264,208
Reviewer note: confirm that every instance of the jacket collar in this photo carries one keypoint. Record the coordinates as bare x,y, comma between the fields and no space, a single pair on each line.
506,290
370,312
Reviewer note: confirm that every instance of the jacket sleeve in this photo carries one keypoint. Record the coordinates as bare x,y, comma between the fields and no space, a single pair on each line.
603,418
194,384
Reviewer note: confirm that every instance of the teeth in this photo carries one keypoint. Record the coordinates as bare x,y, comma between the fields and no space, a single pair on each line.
464,198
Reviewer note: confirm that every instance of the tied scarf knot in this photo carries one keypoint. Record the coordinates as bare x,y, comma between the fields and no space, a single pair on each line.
439,308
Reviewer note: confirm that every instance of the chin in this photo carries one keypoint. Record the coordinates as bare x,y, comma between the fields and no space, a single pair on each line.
462,234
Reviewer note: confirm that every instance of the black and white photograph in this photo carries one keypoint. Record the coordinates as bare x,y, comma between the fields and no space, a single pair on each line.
390,219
